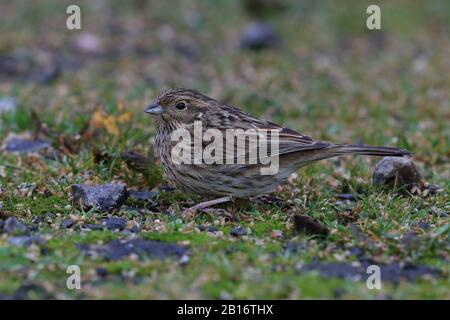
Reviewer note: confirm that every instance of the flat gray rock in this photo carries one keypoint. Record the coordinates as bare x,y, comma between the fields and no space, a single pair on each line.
105,197
143,196
258,36
26,146
115,223
25,241
15,227
119,249
393,272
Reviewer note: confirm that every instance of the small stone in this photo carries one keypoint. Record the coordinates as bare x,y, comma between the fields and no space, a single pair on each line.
357,252
135,229
67,224
2,223
259,35
105,197
307,224
14,226
346,196
126,232
114,223
411,239
168,189
37,219
434,189
398,170
8,104
102,272
423,225
238,231
143,196
95,227
119,249
25,146
203,228
26,241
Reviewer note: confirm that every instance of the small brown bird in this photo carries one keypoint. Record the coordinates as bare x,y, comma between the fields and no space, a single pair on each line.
179,108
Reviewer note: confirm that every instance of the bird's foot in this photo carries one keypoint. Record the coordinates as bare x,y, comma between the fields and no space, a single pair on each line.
203,205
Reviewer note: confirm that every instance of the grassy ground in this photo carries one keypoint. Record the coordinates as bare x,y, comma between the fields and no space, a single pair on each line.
330,78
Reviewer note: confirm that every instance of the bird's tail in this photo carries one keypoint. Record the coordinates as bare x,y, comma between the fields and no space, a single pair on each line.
335,150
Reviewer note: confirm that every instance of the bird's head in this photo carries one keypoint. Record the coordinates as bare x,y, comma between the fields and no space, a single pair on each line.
180,105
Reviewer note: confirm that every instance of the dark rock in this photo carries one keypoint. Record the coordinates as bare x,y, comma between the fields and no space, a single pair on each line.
30,65
168,189
126,232
2,223
346,196
423,225
115,223
203,228
258,36
142,196
308,225
26,241
101,272
47,193
189,50
357,232
339,292
135,229
105,197
357,252
336,270
8,104
411,239
15,227
393,273
47,74
37,219
45,250
396,170
118,249
94,227
294,247
434,189
238,231
67,224
438,212
9,66
25,146
23,293
49,217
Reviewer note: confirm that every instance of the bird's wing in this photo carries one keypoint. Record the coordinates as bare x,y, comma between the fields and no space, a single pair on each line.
289,140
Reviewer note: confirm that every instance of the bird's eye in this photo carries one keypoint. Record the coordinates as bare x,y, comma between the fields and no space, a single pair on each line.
181,105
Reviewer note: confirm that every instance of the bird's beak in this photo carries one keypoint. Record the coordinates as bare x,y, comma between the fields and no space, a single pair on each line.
154,109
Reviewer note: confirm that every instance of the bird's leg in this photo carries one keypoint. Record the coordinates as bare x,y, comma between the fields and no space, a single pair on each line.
206,204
